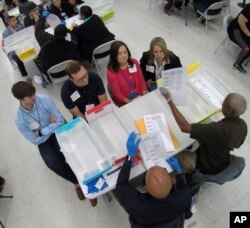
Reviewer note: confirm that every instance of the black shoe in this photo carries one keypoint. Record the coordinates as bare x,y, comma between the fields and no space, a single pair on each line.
239,68
2,182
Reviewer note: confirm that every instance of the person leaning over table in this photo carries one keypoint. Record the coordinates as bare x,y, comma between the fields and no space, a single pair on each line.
124,75
239,32
82,90
165,201
55,49
91,33
156,60
62,9
216,139
37,118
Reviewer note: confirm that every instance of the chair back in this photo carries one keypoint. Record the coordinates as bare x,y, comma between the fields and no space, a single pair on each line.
226,21
101,56
226,3
214,7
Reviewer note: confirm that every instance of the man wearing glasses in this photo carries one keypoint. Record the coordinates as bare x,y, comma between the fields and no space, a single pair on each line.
83,90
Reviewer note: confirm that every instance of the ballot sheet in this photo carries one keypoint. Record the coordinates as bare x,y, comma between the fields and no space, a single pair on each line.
153,150
175,81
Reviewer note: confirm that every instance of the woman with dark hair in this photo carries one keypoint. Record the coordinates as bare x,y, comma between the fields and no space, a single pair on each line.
55,49
156,60
124,75
74,4
62,9
23,7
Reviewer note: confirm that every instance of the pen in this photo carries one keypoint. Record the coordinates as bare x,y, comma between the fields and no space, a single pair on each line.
113,171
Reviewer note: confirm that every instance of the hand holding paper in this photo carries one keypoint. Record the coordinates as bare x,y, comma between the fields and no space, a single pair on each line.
174,163
165,93
132,144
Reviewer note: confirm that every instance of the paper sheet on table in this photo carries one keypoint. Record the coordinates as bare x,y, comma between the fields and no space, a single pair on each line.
141,127
207,90
153,150
157,122
175,80
53,20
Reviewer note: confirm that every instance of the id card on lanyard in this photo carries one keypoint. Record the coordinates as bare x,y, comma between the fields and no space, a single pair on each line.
132,93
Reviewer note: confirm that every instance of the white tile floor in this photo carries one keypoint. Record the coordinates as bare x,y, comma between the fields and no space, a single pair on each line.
42,199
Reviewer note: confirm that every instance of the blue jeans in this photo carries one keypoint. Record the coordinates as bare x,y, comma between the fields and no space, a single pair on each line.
54,159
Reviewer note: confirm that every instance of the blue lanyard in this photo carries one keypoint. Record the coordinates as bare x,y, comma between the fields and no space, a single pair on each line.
32,117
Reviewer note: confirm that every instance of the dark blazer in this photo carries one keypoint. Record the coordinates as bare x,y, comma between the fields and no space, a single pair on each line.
91,34
174,63
54,51
66,8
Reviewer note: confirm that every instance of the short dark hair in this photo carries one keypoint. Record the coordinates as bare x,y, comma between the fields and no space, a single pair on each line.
86,11
60,32
31,6
9,18
114,48
23,89
73,67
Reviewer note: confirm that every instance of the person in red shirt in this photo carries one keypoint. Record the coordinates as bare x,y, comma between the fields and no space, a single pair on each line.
124,74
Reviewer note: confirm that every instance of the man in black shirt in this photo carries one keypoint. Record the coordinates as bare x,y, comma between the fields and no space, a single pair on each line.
216,139
164,203
82,90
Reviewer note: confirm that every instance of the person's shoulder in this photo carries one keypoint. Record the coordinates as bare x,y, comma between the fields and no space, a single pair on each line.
93,76
134,61
66,85
43,97
145,55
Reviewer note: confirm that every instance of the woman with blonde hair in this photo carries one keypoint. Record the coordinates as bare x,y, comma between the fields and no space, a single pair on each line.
156,60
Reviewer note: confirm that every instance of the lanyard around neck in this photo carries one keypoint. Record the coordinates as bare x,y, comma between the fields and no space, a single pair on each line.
32,117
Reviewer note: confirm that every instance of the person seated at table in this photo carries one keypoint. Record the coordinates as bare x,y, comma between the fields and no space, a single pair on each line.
8,5
33,16
202,6
62,9
92,33
37,118
74,4
13,27
216,139
82,90
164,202
124,74
55,49
156,60
23,7
239,32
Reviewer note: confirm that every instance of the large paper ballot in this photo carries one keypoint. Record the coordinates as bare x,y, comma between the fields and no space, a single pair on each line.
84,152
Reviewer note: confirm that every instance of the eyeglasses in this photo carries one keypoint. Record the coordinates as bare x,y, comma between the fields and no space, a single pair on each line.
81,79
34,10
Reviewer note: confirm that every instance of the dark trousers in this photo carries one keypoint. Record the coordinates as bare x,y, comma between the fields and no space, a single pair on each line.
54,159
20,65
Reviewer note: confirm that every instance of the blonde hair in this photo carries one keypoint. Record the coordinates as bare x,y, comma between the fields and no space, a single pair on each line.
162,44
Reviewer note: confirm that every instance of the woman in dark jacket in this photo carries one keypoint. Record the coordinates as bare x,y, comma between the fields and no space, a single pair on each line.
156,60
62,9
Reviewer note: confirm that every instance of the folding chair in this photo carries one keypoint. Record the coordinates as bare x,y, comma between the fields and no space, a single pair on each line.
100,56
216,6
227,4
234,170
173,7
52,71
226,21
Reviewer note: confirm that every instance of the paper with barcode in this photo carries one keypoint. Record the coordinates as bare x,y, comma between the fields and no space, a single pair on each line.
157,122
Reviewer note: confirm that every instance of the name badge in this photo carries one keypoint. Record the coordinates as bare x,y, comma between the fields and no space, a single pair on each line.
74,96
34,126
150,69
132,69
89,106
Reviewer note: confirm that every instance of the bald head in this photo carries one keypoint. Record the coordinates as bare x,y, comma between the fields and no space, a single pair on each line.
158,182
234,105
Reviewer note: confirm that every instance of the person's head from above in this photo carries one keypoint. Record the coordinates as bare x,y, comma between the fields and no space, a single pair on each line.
25,92
85,12
8,2
77,73
12,22
22,1
33,9
60,32
158,182
119,56
234,105
57,3
158,50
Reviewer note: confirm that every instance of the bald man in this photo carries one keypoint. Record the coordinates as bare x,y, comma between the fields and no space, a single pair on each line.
216,139
165,202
